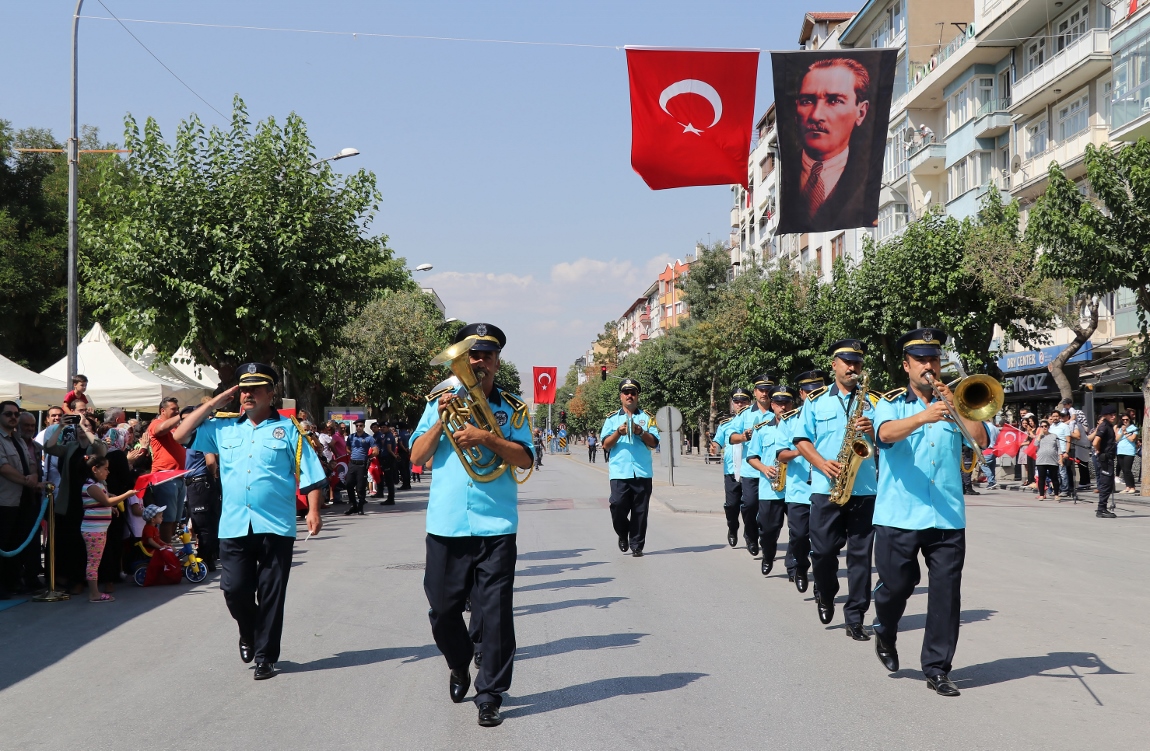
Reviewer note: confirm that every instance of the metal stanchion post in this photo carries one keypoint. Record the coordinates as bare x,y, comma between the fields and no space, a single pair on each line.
51,595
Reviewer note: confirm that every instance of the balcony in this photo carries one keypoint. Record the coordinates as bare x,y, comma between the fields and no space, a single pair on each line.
993,119
927,159
736,215
1084,59
644,318
1033,171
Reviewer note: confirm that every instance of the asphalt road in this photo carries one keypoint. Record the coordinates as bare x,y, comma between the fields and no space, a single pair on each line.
688,647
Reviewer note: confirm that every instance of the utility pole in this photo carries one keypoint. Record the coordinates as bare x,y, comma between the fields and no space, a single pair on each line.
73,197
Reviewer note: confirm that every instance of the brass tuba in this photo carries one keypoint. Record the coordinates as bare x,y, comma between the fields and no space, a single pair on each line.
471,407
856,448
977,398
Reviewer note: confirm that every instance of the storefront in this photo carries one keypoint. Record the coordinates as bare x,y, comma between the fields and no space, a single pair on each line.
1036,390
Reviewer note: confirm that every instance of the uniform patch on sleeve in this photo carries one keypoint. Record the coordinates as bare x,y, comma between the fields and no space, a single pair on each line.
501,418
279,433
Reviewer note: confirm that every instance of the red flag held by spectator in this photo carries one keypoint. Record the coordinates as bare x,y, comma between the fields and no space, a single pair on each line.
1009,440
692,112
545,384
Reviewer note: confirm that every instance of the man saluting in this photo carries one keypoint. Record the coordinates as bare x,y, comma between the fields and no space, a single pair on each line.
262,457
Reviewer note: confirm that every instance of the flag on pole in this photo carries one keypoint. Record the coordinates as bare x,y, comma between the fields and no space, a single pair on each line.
544,384
692,112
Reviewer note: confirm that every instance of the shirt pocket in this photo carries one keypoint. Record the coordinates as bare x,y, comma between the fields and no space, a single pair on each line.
274,453
230,449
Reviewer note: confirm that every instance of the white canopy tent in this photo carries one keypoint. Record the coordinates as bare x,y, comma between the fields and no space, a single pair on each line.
180,368
29,388
116,380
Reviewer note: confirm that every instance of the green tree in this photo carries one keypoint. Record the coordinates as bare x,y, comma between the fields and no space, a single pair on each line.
230,243
1096,247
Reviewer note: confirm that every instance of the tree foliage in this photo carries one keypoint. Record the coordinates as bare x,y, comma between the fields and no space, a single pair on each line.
230,243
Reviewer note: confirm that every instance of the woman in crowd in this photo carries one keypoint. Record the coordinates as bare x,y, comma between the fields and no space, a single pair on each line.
1127,449
99,509
1030,426
1047,459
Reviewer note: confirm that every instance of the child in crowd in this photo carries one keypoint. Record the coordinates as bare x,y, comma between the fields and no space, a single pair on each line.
153,515
75,400
98,512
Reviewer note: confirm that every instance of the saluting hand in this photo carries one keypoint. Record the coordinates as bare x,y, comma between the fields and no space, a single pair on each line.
224,397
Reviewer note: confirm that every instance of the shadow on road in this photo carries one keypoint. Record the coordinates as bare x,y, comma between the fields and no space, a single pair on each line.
578,644
565,584
694,549
556,568
360,657
546,607
915,622
551,555
586,693
1014,668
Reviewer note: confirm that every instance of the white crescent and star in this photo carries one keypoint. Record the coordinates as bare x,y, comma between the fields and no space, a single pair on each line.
693,86
543,385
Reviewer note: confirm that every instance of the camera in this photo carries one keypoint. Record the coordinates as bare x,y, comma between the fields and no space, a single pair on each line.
70,420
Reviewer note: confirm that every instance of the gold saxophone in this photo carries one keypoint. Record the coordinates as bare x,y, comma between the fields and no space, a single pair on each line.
471,406
856,448
779,484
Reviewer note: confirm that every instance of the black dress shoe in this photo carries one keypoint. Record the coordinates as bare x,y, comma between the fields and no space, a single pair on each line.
753,547
624,546
768,564
489,716
264,670
942,685
637,553
733,538
857,632
458,681
887,654
246,651
801,581
350,511
1106,515
826,612
791,577
387,503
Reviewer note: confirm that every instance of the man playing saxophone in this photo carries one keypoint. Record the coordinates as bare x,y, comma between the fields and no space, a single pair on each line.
471,526
798,487
761,451
820,437
919,507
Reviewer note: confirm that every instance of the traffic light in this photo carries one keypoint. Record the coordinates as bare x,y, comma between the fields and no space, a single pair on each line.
603,372
562,416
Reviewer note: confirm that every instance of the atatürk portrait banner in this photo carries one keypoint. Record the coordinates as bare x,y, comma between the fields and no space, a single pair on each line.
833,108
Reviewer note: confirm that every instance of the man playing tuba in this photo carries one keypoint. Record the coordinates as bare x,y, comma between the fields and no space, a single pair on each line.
471,523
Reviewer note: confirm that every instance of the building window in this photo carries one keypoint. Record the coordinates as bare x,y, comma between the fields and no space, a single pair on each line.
838,246
1035,55
1073,117
767,166
891,219
958,108
958,182
1105,94
805,256
819,260
1069,28
1036,137
985,93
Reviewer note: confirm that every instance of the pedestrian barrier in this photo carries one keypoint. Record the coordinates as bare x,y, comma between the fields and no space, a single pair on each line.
31,535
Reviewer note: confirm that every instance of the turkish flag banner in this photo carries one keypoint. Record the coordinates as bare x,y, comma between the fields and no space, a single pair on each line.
1009,440
692,112
544,384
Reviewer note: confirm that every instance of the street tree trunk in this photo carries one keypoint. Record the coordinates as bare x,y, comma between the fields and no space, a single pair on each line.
1145,490
1082,333
712,413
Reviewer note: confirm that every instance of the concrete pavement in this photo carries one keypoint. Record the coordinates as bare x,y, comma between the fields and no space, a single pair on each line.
687,648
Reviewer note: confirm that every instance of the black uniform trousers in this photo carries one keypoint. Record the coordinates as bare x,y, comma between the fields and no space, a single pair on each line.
832,528
356,484
798,558
204,506
630,501
1105,480
484,568
387,472
770,519
749,507
896,558
732,498
254,583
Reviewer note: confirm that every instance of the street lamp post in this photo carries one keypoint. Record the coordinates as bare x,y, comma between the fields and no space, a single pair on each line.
343,154
73,197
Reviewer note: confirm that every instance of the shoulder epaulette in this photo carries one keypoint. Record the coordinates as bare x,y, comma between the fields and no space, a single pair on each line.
874,396
893,394
788,415
518,408
650,417
816,393
227,415
723,421
764,422
434,395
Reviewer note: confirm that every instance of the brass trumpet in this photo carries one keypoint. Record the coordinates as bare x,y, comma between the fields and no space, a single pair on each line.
977,398
471,407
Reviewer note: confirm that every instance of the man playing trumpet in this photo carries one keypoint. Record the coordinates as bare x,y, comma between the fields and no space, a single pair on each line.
919,506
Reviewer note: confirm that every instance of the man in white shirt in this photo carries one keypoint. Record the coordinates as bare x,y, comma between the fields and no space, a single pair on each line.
1066,432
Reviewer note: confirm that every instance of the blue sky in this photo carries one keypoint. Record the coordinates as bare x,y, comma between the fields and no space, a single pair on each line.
505,166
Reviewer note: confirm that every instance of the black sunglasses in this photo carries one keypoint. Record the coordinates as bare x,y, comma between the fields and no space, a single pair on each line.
629,392
9,413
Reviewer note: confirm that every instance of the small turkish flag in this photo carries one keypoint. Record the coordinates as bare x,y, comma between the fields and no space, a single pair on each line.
544,384
691,115
1009,440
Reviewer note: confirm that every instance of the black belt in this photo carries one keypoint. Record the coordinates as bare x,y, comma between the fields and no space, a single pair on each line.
193,480
359,461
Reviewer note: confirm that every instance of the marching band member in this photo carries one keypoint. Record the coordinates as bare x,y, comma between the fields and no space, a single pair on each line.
732,488
798,487
765,444
749,481
919,507
630,435
471,530
819,436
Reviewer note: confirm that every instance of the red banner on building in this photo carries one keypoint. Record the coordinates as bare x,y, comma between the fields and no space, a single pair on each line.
545,384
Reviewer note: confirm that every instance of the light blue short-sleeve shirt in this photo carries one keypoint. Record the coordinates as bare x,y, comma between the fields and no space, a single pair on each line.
258,472
458,506
630,457
824,423
764,445
798,488
722,437
920,486
1126,446
748,418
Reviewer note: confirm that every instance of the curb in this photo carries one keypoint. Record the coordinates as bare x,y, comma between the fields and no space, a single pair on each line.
1088,496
